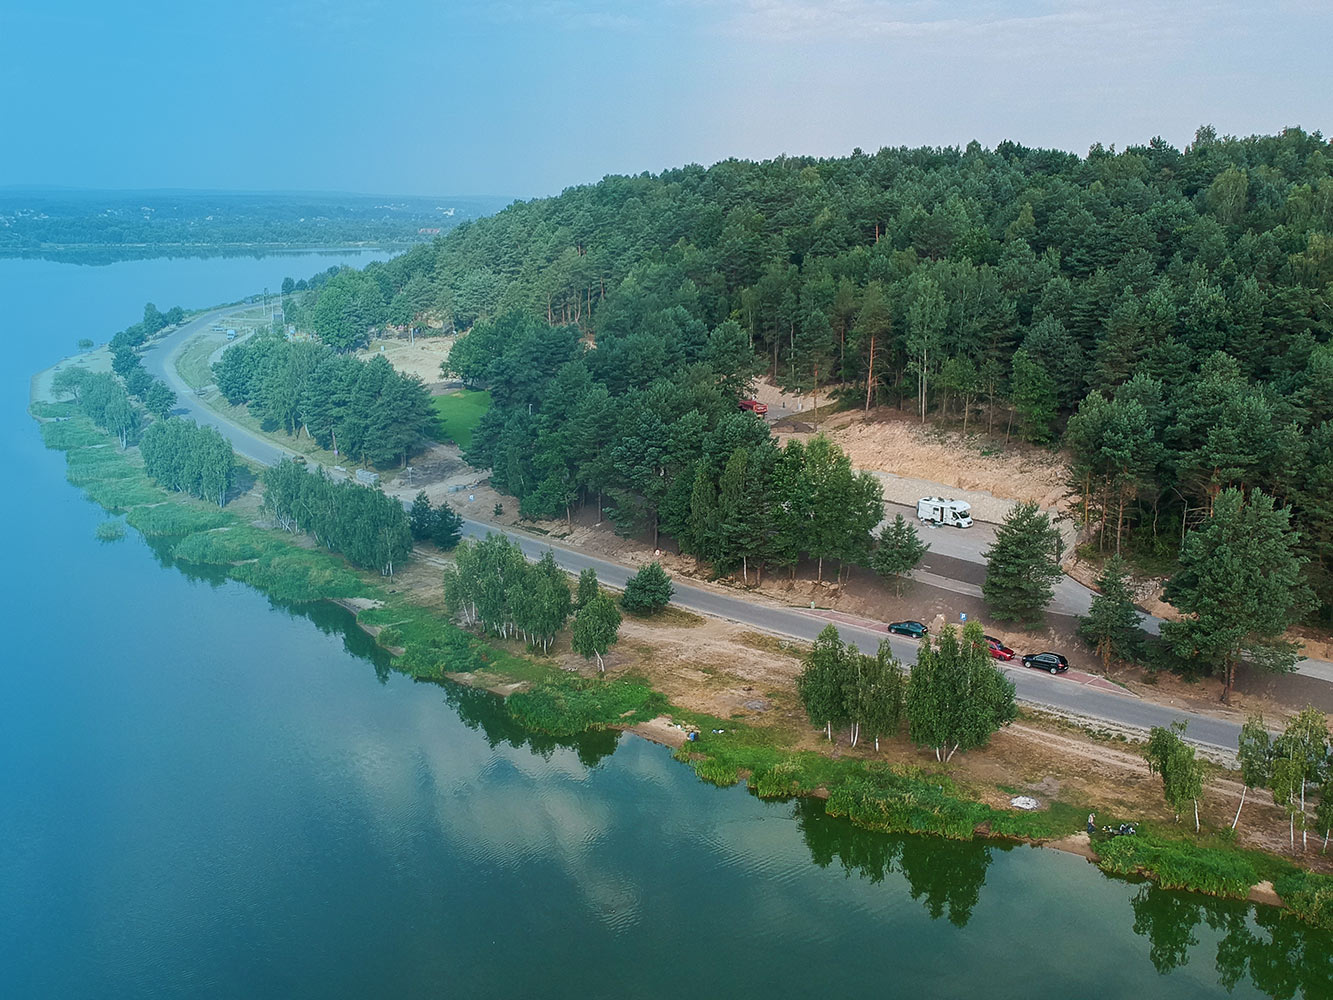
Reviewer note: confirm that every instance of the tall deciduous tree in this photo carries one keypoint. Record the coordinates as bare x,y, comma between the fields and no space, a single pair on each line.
596,629
880,692
1240,587
1022,565
1255,752
588,587
1303,747
821,681
956,697
1182,774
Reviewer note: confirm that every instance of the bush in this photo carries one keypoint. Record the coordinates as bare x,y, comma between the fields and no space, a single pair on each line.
110,531
48,409
1308,896
648,591
891,803
715,772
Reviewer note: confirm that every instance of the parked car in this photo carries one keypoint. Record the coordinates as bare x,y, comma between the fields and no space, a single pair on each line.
754,406
913,629
1053,662
998,649
299,459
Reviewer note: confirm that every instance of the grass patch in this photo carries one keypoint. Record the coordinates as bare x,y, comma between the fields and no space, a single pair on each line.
459,413
772,644
46,409
192,363
168,518
571,705
123,494
89,465
299,575
76,432
110,531
668,617
226,546
434,646
1175,864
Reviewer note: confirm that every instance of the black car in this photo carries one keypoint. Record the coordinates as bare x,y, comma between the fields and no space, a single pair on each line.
914,629
1053,662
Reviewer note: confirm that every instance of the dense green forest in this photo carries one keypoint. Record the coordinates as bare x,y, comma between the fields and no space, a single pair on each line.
99,227
362,409
1165,313
366,526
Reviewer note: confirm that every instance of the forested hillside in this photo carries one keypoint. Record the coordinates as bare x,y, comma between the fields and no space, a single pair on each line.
1175,304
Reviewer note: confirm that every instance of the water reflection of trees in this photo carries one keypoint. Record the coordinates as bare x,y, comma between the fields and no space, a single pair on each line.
483,711
945,875
1278,954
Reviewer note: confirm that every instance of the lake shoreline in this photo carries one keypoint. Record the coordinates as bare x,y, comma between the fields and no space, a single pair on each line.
659,729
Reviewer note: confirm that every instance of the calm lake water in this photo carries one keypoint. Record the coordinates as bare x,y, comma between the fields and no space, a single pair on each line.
203,794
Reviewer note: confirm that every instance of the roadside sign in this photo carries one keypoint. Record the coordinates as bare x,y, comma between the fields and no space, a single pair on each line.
962,616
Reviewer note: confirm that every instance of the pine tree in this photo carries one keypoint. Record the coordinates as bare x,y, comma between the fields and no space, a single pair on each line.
447,527
648,591
421,518
1240,587
900,549
1022,566
1112,623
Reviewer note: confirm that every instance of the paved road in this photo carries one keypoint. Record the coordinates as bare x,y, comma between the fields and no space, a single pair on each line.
1034,688
955,563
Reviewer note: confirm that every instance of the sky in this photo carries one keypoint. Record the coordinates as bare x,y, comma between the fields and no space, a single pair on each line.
523,99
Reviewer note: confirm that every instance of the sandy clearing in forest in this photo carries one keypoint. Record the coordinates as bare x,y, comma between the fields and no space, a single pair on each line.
883,441
421,359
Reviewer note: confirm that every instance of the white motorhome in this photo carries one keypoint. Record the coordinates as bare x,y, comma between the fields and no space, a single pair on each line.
937,510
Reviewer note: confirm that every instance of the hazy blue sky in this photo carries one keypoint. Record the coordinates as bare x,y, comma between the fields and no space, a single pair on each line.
415,96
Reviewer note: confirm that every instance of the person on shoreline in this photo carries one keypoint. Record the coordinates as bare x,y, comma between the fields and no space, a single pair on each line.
1092,823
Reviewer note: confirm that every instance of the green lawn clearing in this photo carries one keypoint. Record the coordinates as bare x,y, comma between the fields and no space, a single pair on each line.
459,414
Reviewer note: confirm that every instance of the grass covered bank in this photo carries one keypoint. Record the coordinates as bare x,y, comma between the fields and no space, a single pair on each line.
544,698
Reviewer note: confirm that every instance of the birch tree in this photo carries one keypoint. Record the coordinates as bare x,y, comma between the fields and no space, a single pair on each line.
1182,774
1255,751
956,697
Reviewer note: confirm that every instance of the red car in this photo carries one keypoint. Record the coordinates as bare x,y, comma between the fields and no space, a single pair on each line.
754,406
998,649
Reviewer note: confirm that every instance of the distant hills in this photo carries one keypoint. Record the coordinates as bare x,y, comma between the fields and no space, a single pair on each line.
96,226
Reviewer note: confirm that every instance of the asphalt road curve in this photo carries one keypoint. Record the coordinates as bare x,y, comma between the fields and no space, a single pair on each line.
1034,688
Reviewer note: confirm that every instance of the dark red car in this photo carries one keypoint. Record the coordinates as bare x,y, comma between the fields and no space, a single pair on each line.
754,406
998,649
